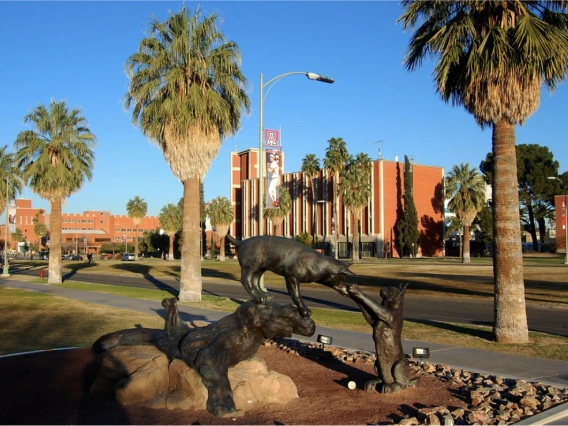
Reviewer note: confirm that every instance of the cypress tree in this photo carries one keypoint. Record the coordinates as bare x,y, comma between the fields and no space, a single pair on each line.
407,226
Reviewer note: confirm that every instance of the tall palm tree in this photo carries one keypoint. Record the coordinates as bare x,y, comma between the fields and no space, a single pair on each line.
55,160
493,59
136,209
465,188
310,170
355,192
336,158
171,222
187,94
455,225
16,237
277,214
40,229
10,175
221,216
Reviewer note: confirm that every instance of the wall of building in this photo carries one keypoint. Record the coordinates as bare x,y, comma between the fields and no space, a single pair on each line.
96,227
378,218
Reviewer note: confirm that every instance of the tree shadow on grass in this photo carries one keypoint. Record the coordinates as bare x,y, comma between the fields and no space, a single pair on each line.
423,283
213,273
468,331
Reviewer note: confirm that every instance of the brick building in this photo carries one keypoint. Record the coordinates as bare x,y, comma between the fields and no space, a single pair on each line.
378,218
84,232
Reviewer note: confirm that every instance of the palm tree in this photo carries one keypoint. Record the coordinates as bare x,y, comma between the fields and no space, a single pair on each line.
187,94
55,160
17,236
465,188
493,59
221,216
9,174
355,192
40,229
136,209
455,225
277,214
310,169
171,222
336,158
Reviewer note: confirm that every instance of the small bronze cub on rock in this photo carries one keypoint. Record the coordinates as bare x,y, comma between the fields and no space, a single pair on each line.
386,319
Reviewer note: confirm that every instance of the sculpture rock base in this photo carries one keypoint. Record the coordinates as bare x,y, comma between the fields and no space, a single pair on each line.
143,375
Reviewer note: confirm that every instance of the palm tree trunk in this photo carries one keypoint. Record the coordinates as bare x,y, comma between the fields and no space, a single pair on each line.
314,211
356,238
54,276
466,256
172,235
335,214
277,226
510,324
190,283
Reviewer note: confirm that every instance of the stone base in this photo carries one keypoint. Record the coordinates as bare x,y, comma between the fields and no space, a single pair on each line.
143,375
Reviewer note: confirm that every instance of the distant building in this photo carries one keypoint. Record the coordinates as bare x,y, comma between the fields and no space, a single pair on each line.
378,218
85,232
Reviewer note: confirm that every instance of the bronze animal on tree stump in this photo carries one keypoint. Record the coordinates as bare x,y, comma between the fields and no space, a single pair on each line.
290,259
386,319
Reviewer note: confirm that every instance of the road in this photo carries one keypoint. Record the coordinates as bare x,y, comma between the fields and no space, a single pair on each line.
445,309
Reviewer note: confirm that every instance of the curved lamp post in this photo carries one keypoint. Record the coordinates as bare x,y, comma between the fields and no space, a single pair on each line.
311,76
566,218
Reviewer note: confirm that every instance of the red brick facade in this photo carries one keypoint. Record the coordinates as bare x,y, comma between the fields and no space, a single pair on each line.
378,218
96,227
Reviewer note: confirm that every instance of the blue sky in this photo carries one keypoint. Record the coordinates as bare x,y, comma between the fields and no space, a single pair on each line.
76,51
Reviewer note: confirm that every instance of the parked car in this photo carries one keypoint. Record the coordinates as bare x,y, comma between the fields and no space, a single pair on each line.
128,256
72,257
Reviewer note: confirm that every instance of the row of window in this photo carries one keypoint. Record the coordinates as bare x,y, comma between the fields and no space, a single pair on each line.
79,220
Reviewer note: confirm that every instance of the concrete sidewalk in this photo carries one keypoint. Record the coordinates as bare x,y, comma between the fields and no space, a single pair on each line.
551,372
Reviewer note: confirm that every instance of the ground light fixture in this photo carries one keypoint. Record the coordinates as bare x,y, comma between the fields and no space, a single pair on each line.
324,340
420,353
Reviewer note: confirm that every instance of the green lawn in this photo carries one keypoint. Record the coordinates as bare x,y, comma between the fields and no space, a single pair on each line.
35,321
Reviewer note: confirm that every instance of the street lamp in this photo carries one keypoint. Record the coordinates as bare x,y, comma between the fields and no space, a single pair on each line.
311,76
6,271
565,218
125,243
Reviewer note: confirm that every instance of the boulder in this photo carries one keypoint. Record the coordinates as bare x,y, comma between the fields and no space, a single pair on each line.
143,375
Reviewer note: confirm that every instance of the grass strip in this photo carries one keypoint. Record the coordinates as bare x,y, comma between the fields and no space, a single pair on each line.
541,345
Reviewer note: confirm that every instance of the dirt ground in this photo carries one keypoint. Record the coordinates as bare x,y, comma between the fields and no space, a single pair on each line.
52,388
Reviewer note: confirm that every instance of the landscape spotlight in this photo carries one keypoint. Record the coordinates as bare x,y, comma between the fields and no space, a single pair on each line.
420,353
324,340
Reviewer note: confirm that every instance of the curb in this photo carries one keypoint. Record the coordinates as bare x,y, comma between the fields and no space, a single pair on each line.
546,417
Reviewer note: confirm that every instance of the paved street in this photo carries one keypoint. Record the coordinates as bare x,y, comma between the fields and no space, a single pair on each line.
445,309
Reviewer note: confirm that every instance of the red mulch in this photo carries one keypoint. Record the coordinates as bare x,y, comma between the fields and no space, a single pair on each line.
53,388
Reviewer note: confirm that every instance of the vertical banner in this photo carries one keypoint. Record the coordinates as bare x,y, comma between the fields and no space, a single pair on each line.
273,170
12,216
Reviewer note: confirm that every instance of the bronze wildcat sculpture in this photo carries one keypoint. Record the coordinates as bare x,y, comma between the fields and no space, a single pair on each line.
212,349
386,319
290,259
